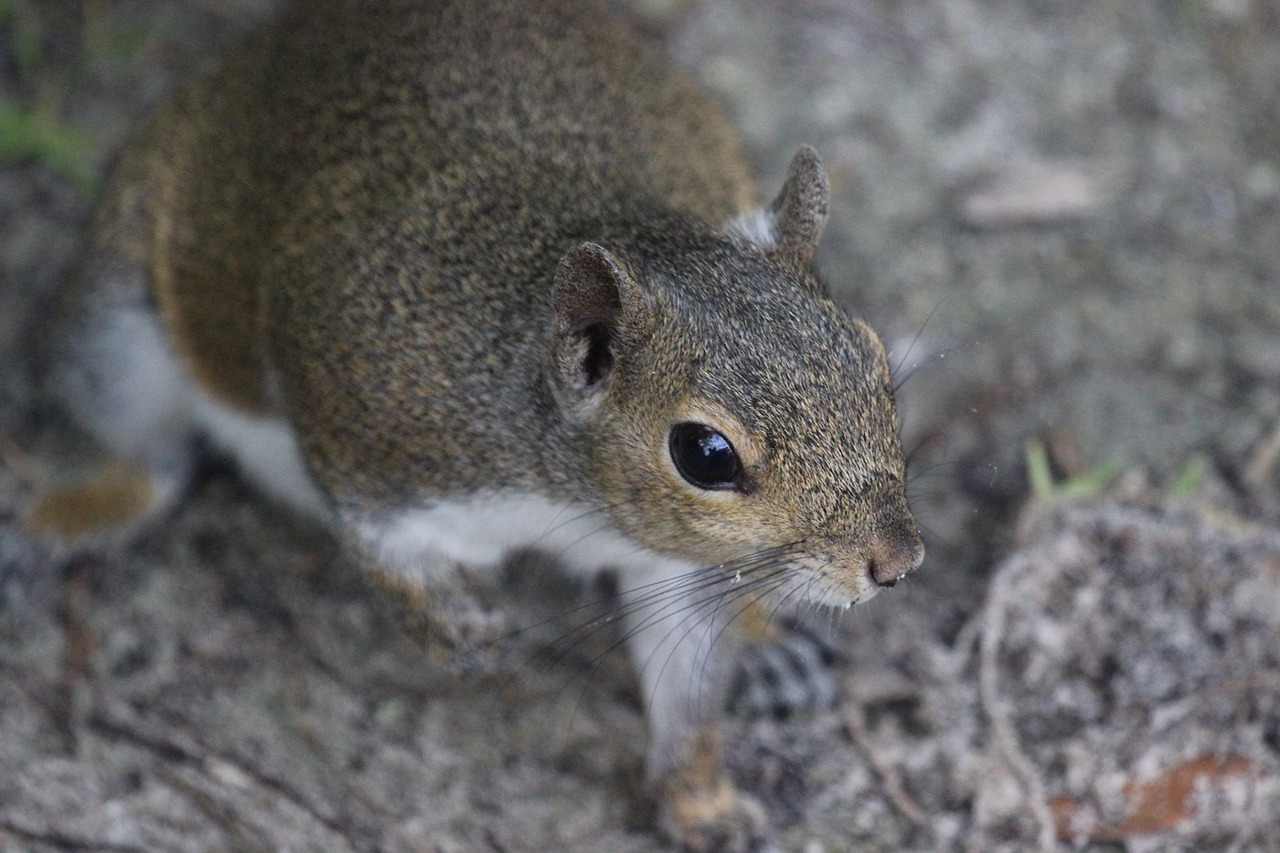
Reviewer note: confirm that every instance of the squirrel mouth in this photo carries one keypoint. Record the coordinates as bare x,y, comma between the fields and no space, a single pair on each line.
861,598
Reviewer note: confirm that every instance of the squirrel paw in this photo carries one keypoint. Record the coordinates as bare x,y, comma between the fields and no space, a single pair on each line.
717,820
783,675
469,631
450,620
107,507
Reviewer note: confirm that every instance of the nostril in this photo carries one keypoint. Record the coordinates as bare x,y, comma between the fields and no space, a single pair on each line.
879,577
892,561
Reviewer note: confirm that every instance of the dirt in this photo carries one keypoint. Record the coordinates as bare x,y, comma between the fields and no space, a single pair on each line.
1064,220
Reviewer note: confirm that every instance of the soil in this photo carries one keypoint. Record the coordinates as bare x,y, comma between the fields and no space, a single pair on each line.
1063,219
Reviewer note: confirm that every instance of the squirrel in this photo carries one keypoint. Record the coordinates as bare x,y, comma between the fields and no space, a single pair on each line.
462,277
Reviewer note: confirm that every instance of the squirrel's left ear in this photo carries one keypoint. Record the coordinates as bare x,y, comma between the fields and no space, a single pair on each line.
800,210
596,300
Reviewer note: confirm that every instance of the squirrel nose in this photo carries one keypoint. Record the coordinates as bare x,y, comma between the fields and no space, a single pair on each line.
893,558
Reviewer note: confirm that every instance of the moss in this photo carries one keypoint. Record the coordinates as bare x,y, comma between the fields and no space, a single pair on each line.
36,134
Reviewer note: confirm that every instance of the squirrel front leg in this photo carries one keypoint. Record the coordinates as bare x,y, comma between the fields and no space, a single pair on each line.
444,615
683,641
436,592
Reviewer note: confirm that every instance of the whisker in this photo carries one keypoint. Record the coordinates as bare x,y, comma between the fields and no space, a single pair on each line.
926,529
933,494
689,610
694,606
815,602
762,594
655,589
553,527
736,594
806,584
684,598
921,474
782,600
700,579
592,532
940,355
670,589
912,346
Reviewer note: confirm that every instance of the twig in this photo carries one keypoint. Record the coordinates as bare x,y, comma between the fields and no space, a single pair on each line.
78,643
210,762
1005,587
242,837
1263,459
59,841
855,727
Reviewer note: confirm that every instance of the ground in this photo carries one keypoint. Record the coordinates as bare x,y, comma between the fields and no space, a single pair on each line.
1064,220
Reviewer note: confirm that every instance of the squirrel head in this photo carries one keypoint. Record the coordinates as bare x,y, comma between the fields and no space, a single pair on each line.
723,406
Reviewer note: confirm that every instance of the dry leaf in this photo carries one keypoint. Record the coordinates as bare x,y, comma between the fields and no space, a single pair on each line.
1157,804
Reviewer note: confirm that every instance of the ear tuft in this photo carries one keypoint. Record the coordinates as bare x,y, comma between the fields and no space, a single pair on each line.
800,210
589,286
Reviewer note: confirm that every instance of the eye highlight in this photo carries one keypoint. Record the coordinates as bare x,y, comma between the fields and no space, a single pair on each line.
704,457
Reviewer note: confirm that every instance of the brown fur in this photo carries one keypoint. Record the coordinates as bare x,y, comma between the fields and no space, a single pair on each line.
698,792
115,496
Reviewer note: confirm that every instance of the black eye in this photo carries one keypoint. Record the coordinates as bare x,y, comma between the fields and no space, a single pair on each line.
704,457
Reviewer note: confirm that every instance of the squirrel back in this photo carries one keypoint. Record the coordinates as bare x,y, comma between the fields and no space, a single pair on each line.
445,121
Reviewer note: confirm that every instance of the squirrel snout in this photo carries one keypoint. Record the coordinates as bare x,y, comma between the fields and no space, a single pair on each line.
892,558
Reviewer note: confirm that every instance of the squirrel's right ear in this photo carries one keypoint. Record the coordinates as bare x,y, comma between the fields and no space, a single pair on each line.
800,210
592,292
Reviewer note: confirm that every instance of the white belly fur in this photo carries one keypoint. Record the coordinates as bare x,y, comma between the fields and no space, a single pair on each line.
420,544
133,393
481,530
267,452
